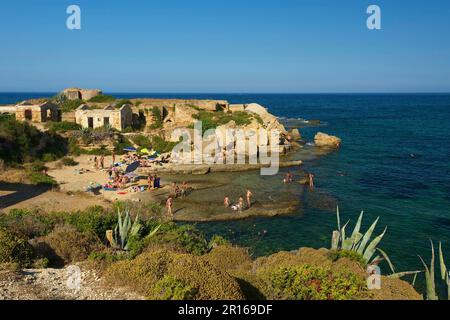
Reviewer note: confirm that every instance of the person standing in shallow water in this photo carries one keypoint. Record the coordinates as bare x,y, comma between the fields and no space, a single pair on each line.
169,204
249,198
226,202
240,204
311,181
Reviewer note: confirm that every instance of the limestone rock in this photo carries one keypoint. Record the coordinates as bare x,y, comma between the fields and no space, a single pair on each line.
324,140
183,115
295,134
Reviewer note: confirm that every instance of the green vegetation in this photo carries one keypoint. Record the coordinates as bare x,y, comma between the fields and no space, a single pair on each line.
138,103
126,229
142,141
335,255
15,248
358,242
35,172
21,143
161,145
180,275
104,98
170,288
69,105
65,245
211,120
165,260
430,280
121,143
155,142
119,103
307,282
70,162
157,118
63,126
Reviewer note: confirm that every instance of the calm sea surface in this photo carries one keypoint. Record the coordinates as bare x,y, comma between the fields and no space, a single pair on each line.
394,164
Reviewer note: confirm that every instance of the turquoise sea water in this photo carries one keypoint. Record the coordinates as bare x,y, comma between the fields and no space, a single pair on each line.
394,163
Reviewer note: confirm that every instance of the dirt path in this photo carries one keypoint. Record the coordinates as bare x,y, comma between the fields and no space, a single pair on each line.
51,284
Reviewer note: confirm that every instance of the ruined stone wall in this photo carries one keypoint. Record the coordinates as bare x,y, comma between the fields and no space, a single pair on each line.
118,119
83,94
68,117
87,94
39,113
209,105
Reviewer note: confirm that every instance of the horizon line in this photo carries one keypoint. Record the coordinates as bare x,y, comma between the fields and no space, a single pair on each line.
249,92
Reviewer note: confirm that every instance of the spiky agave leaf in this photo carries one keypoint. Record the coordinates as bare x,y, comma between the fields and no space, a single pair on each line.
136,227
358,225
444,274
344,240
338,218
154,231
356,241
366,237
399,275
429,276
386,257
444,270
371,248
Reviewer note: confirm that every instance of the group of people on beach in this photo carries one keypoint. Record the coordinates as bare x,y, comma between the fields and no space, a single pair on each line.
239,206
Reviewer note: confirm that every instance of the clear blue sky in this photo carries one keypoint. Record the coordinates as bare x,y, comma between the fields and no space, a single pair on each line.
226,46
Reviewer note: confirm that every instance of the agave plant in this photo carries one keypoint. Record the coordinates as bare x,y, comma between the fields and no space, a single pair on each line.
363,245
444,271
358,242
429,274
126,229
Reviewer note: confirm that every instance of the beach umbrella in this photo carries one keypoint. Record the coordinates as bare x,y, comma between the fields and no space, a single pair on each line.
132,167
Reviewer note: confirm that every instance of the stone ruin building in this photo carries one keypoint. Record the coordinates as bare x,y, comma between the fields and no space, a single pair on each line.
118,118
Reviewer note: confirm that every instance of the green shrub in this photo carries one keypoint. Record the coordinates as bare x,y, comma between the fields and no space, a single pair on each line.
94,220
182,273
29,223
211,120
142,141
305,282
138,103
335,255
21,142
121,102
104,98
170,288
217,240
65,245
39,178
63,126
162,146
157,118
121,143
14,248
185,238
69,105
70,162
